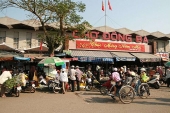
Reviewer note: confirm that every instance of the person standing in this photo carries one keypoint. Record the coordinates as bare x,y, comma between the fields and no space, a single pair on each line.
63,79
78,77
72,78
3,78
168,77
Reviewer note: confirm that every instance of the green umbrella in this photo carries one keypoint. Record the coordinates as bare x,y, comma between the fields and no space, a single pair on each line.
51,61
167,64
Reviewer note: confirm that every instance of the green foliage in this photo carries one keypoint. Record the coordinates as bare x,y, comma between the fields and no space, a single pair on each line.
63,14
10,83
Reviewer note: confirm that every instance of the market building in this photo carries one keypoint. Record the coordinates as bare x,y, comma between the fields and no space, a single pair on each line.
103,45
121,47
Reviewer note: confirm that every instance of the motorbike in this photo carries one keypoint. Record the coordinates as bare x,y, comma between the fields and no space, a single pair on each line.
154,81
163,80
92,83
15,90
30,86
54,85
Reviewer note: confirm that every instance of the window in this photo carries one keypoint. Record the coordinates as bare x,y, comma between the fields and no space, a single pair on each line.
157,48
163,46
28,40
40,37
16,40
2,36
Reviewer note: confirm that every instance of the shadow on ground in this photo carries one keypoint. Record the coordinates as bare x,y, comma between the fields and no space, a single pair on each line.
96,97
159,101
44,90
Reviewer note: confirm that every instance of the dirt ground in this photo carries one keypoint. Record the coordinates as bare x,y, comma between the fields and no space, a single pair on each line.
44,101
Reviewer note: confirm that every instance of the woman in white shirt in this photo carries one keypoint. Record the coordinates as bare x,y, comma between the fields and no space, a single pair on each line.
64,79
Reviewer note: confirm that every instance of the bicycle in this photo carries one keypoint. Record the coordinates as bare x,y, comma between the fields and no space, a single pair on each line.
125,93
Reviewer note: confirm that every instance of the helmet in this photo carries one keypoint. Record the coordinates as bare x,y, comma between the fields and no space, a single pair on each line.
114,69
143,69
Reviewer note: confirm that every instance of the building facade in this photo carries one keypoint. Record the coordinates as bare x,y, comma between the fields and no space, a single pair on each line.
103,43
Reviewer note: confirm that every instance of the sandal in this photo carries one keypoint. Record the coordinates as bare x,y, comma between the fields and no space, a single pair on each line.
3,96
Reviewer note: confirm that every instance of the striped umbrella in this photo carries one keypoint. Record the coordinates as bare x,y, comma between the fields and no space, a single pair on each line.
51,61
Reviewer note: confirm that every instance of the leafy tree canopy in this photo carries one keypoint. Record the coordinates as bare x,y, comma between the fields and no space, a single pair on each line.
62,12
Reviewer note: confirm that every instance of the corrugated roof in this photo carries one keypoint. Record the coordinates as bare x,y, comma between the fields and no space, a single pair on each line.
8,21
158,34
104,29
91,53
37,48
144,55
122,54
142,33
32,22
168,35
125,31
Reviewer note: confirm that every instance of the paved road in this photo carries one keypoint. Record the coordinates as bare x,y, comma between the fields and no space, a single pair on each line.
84,102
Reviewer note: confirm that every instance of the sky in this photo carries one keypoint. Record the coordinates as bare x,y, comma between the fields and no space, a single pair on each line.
149,15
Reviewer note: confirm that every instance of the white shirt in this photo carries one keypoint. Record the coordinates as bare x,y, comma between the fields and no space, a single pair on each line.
5,76
72,74
63,77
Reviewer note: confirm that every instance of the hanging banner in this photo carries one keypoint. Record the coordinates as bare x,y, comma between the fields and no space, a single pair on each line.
109,46
163,55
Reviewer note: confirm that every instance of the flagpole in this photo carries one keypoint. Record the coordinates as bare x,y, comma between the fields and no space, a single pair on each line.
105,15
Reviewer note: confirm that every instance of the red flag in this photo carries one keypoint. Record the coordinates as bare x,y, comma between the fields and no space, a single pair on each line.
110,7
41,45
102,5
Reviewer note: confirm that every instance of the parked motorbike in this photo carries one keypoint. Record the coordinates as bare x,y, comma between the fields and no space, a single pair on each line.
92,83
154,81
30,86
15,90
163,80
54,85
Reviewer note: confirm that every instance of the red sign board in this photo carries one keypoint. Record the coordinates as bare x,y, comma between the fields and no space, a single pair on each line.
109,46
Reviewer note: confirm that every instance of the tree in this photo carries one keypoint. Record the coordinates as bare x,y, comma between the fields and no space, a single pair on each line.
63,12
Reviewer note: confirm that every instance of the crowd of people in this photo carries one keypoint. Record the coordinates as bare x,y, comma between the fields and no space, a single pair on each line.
72,77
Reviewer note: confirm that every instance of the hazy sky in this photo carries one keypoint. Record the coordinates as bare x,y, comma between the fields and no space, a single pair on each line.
149,15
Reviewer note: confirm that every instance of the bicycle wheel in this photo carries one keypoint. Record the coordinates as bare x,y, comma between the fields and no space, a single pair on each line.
143,90
126,94
103,90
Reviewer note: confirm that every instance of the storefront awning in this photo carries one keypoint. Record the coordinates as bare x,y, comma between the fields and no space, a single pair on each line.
21,58
6,58
146,57
100,54
92,56
123,56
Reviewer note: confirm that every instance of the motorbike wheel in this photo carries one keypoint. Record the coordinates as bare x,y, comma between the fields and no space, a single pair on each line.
126,94
143,90
51,85
32,90
161,82
17,93
56,88
103,90
156,86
